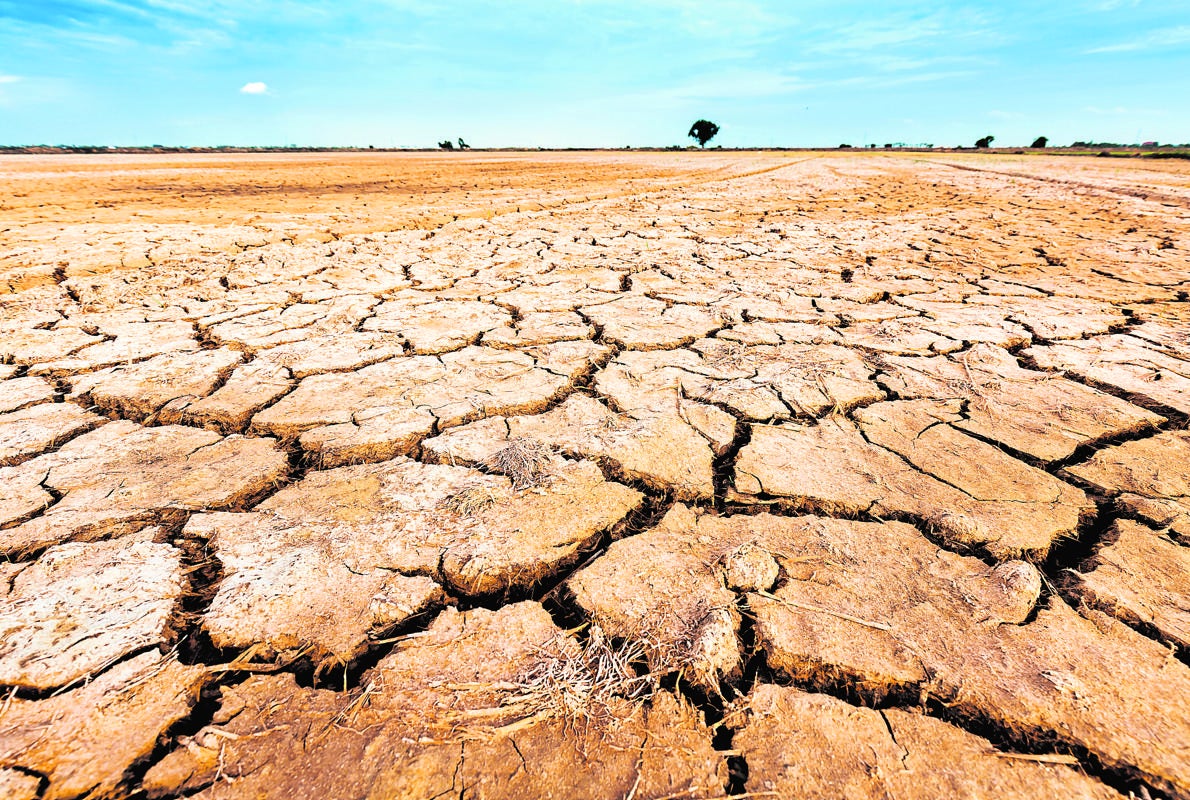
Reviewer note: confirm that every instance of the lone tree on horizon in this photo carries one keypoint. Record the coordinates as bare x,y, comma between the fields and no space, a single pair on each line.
985,141
704,130
1040,142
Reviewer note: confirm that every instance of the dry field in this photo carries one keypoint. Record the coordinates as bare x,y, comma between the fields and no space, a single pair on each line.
594,476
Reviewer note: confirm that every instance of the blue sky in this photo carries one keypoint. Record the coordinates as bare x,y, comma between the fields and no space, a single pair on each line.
591,72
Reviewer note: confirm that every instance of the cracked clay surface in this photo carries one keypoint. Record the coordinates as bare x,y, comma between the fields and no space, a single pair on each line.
598,475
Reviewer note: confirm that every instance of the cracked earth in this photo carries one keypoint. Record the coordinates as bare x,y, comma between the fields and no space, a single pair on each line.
594,475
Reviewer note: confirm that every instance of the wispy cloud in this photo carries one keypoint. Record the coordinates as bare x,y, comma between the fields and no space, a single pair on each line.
897,31
1156,40
1113,5
9,78
255,87
1122,111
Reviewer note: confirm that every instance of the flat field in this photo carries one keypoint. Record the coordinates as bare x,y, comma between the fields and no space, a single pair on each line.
594,475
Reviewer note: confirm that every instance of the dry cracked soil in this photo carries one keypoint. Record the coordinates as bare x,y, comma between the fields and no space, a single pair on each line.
601,475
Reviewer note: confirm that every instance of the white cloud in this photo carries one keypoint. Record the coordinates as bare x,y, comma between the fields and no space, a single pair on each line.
9,78
255,87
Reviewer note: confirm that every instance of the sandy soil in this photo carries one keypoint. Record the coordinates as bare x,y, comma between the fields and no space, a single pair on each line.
670,475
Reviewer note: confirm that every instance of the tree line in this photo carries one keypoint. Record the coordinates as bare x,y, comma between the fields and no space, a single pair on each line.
704,130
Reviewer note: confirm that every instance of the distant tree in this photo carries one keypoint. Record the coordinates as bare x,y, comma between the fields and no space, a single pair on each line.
446,145
844,147
1040,142
985,141
463,145
703,130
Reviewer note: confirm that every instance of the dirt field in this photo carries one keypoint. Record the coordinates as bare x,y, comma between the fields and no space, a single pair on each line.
599,475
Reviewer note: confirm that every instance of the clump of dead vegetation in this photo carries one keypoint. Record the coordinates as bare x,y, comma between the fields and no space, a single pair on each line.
582,684
470,498
525,461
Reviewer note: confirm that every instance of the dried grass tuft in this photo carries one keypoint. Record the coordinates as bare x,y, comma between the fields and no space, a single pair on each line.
524,460
731,355
471,497
583,685
614,422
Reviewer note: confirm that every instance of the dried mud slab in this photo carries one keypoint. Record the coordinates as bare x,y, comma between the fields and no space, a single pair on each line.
384,410
1149,478
250,388
808,379
293,323
1040,414
24,346
1124,363
80,607
1052,318
1164,334
558,296
854,312
138,391
666,451
814,746
17,785
539,328
636,322
83,741
437,326
880,608
923,432
286,587
35,429
758,382
969,322
474,532
131,341
777,333
671,588
470,708
18,393
835,467
899,336
21,495
118,478
778,305
1084,284
336,353
1142,578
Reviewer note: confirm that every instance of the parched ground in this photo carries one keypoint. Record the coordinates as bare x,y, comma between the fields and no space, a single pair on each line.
606,475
